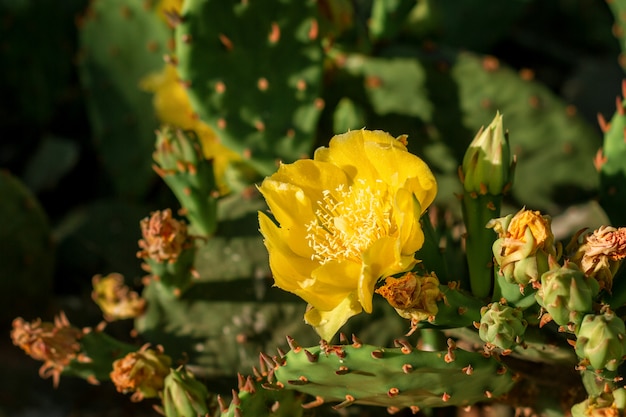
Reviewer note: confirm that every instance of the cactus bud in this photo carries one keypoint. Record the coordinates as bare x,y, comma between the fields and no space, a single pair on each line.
601,341
567,294
183,395
524,244
486,166
115,299
501,325
601,253
414,297
142,372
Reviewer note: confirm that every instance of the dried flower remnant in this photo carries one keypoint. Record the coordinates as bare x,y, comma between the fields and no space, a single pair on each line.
115,299
525,242
164,238
601,253
142,373
56,344
414,297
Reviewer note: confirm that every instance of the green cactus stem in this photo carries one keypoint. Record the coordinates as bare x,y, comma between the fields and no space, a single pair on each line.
181,164
486,175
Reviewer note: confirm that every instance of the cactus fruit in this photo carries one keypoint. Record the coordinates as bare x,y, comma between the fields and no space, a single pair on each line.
397,378
567,295
501,325
601,341
270,113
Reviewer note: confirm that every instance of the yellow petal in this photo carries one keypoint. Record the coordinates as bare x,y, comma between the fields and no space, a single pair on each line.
327,323
380,260
408,211
347,152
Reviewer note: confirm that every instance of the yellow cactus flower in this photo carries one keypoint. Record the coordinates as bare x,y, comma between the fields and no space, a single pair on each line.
115,299
346,219
173,107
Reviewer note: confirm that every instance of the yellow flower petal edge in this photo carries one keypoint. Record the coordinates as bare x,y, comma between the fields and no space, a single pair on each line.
345,220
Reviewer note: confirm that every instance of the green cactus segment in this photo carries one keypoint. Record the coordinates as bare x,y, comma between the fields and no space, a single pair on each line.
27,250
567,295
502,325
457,308
618,8
252,400
396,377
183,395
182,166
601,341
253,72
611,161
101,350
121,42
388,17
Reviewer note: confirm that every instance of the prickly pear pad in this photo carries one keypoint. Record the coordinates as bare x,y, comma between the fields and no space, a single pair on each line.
253,72
393,377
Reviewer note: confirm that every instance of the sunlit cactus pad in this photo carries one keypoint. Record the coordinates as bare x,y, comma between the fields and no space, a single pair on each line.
253,73
391,377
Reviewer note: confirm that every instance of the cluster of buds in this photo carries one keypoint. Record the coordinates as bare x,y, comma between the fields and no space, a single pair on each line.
56,344
525,242
600,253
115,299
414,297
142,373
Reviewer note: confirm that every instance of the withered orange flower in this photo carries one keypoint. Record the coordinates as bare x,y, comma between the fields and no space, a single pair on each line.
164,237
56,344
142,373
115,299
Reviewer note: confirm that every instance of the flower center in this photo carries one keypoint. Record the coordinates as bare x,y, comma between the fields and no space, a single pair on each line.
348,221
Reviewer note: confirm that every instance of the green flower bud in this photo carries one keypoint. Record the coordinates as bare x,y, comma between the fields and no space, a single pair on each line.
567,294
601,341
501,325
183,395
606,404
486,167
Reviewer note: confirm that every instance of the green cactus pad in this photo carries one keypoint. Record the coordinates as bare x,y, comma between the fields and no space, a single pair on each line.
391,377
26,249
253,71
122,41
